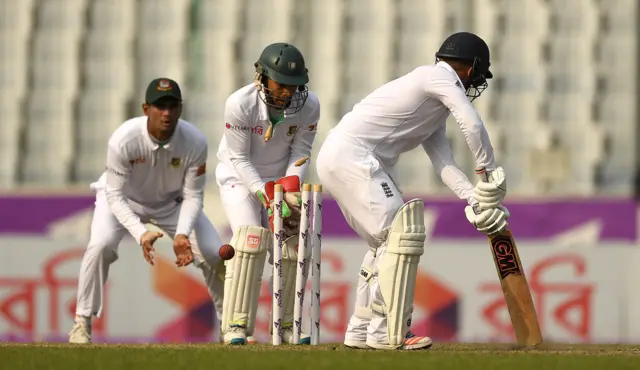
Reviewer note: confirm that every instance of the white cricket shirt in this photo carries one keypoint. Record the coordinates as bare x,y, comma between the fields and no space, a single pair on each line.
245,156
154,178
411,111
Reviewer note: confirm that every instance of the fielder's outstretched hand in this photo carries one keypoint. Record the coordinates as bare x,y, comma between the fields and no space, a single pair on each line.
146,242
182,249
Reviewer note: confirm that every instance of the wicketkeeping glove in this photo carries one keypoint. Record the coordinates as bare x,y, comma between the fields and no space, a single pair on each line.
266,198
293,198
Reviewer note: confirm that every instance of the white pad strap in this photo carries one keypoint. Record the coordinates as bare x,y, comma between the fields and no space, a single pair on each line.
398,268
243,277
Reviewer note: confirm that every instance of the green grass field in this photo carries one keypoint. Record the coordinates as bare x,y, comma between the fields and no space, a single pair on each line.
334,357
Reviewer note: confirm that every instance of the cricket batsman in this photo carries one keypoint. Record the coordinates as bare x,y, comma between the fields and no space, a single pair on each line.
356,163
155,173
270,127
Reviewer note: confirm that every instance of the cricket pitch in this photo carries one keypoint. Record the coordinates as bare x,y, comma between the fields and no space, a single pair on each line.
15,356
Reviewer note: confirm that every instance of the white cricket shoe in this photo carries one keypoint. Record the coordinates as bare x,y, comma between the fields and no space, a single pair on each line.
356,344
235,336
80,334
252,340
411,342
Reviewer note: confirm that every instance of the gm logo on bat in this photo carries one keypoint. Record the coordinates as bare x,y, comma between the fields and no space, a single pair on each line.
505,256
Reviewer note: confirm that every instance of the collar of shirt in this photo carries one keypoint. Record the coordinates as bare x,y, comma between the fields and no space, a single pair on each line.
446,66
153,144
263,110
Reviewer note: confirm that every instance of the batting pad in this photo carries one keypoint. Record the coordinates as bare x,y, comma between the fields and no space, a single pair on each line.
398,267
243,277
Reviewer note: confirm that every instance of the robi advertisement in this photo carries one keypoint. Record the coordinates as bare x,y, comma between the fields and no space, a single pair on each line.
579,270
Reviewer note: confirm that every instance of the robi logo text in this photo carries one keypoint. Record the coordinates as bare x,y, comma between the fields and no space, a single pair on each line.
257,130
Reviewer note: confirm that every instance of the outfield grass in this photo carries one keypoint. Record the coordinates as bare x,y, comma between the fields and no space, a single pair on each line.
333,357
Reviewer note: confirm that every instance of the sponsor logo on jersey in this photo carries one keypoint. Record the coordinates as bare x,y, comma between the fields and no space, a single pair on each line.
258,130
175,162
139,160
236,128
253,241
292,130
312,126
201,170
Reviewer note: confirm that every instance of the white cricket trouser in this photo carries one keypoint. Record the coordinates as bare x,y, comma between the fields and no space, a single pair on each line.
102,251
369,201
242,207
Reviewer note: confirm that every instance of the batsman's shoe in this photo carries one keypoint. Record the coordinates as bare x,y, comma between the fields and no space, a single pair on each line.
411,342
252,340
235,336
80,334
356,344
287,335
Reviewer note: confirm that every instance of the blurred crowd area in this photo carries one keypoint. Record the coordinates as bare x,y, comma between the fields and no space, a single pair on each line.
561,111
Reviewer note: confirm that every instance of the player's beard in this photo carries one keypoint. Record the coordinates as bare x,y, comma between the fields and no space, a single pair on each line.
280,103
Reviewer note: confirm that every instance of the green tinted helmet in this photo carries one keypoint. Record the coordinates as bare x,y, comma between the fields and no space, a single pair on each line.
284,64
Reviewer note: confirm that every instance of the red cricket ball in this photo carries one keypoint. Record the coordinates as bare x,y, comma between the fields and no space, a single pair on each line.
227,252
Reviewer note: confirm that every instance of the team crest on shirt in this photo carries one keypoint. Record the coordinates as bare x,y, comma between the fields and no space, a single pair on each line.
175,162
292,130
164,85
312,127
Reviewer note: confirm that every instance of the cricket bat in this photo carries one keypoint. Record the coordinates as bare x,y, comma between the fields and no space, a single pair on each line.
515,288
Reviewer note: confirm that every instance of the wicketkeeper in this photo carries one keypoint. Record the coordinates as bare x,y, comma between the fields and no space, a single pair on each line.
270,127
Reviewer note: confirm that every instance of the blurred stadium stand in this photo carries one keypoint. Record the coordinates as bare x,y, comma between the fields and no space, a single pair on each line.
562,110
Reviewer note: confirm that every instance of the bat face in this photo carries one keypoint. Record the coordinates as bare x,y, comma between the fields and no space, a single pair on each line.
516,291
505,257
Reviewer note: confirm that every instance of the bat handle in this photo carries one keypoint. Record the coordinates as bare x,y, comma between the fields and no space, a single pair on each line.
482,173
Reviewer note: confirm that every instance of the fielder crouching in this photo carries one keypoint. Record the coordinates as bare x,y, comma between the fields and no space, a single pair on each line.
156,166
270,127
357,157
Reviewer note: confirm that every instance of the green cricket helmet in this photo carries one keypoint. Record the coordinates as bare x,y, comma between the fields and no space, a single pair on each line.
284,64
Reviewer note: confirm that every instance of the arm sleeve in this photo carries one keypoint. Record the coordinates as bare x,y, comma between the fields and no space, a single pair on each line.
301,146
445,87
439,151
118,171
238,137
193,192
